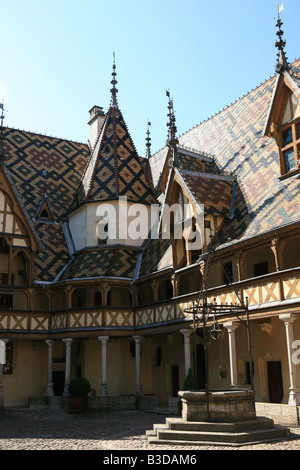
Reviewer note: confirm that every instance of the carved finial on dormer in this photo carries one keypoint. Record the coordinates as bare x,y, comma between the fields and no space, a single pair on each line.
282,64
172,140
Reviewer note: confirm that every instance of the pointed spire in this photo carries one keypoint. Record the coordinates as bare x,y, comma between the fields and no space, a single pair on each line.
172,140
148,141
2,137
114,90
282,63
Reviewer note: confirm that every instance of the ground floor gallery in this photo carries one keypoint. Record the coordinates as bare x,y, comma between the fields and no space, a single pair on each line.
155,362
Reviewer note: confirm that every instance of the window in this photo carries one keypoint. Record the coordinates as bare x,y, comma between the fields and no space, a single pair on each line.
290,147
3,279
6,301
44,214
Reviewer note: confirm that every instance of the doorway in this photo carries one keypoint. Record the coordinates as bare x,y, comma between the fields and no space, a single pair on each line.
275,381
58,378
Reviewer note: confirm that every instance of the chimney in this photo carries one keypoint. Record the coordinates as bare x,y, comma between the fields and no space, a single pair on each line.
96,122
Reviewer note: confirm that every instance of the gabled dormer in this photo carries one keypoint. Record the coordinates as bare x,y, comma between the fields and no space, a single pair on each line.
44,212
283,120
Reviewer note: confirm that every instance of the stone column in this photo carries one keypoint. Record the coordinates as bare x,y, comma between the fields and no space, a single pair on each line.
294,395
187,350
103,390
1,376
138,384
49,388
231,327
68,342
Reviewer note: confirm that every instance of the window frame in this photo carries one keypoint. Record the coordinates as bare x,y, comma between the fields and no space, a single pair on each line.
293,145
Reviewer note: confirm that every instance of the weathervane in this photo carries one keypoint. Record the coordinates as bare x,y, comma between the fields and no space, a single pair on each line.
282,63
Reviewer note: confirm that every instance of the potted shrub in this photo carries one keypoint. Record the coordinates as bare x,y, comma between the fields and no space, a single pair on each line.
188,384
79,388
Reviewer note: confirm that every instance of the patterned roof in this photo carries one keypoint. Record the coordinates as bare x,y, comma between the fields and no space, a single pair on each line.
114,168
214,192
157,255
102,262
27,155
234,137
228,147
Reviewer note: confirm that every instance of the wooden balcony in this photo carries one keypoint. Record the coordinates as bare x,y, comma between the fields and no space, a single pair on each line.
273,289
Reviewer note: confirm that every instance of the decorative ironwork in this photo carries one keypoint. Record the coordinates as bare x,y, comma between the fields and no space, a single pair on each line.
205,314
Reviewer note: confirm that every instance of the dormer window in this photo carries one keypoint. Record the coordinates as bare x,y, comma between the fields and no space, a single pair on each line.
290,147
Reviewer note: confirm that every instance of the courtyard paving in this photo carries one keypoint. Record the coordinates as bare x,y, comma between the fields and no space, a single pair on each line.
99,430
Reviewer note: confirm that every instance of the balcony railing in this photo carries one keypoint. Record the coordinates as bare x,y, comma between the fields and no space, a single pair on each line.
261,291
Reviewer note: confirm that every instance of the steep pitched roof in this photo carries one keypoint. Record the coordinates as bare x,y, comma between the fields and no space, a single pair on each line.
27,155
214,191
114,168
235,137
102,262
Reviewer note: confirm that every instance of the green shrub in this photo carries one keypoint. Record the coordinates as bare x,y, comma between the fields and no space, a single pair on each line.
79,387
190,381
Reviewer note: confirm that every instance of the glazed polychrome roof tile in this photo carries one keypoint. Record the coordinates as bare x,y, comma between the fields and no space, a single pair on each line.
234,138
102,262
27,157
114,169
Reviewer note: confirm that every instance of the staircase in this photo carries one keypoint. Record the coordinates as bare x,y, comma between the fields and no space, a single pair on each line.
177,431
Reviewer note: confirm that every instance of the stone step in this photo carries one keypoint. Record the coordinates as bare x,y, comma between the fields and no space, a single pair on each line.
239,426
224,438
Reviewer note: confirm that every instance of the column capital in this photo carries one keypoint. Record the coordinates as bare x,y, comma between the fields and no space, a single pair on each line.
137,338
68,341
231,326
103,339
287,317
50,342
186,332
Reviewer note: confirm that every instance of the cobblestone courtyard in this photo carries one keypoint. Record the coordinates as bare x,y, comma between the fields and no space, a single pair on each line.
95,430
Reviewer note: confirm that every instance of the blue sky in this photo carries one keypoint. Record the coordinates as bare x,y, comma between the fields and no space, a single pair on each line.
56,60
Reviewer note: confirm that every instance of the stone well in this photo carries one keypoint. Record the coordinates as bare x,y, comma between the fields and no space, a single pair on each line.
218,405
